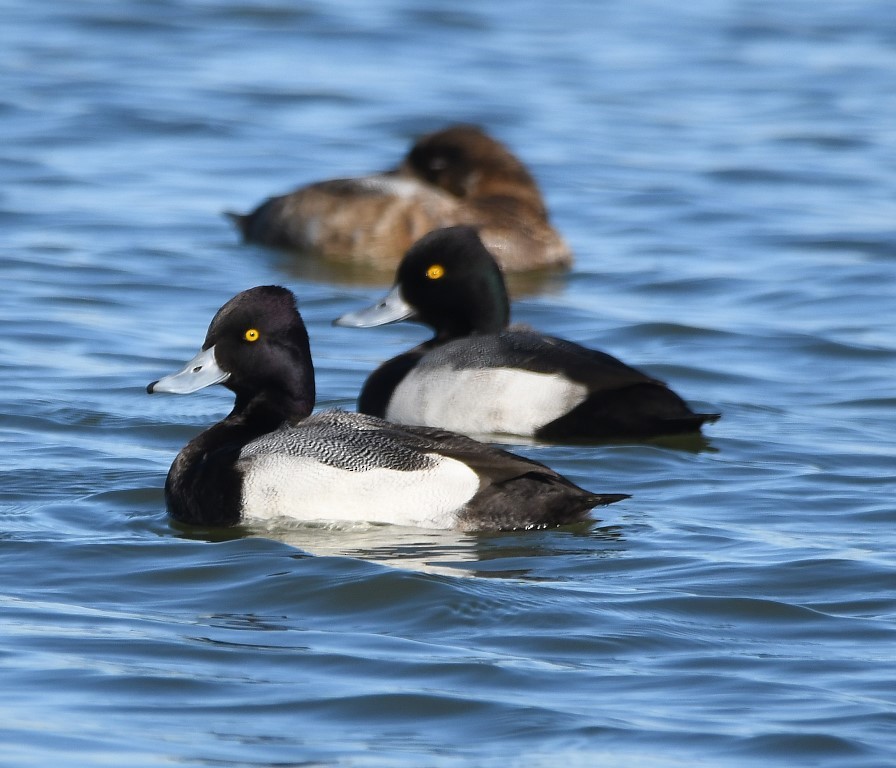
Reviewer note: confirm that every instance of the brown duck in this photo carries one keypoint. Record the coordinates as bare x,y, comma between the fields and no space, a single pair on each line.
458,175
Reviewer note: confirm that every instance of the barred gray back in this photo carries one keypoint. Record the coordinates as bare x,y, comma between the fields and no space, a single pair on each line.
349,441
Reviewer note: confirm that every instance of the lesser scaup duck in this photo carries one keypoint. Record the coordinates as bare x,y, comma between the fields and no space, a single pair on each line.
458,175
271,457
479,376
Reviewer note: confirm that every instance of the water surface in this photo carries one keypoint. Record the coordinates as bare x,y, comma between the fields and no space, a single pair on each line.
725,174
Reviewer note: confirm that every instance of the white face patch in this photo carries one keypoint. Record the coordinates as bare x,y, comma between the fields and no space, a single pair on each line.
303,488
483,401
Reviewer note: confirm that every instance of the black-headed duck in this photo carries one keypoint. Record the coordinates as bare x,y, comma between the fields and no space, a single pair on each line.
479,377
271,457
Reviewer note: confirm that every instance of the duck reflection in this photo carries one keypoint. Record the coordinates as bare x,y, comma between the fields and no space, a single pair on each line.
449,553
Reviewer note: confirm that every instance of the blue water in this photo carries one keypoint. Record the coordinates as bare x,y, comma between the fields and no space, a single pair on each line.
725,172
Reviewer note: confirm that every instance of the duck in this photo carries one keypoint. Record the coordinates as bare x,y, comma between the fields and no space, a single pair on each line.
480,376
457,175
273,458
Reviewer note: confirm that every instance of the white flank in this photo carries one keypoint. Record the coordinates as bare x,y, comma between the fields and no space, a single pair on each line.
483,400
302,488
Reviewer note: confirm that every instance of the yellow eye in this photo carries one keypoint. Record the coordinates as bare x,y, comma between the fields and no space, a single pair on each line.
251,335
435,271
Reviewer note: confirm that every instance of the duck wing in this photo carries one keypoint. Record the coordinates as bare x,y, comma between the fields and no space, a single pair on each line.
538,353
515,492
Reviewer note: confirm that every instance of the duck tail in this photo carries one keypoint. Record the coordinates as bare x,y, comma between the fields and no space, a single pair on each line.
708,418
603,499
240,221
682,424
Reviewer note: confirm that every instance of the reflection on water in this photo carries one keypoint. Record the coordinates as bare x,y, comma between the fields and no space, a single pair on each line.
327,271
451,553
315,269
723,172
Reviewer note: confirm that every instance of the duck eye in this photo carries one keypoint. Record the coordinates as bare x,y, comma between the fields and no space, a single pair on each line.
251,335
435,271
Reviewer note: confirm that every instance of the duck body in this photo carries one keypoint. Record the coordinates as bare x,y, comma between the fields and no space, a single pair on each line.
270,457
479,376
365,220
519,382
459,175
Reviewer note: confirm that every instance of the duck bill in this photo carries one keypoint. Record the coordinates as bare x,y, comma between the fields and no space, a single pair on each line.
392,308
202,371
